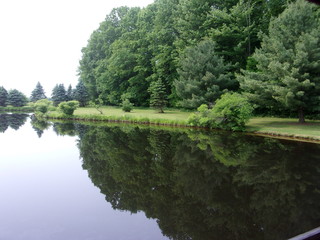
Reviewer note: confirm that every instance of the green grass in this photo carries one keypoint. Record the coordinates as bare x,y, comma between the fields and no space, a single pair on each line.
286,127
137,115
170,114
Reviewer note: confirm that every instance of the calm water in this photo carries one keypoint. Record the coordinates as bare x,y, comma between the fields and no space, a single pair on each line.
73,181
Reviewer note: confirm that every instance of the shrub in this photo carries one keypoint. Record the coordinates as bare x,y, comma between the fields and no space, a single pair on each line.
126,105
68,107
232,111
42,106
202,118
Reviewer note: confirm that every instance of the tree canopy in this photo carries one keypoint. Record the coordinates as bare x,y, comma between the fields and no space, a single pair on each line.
198,46
288,62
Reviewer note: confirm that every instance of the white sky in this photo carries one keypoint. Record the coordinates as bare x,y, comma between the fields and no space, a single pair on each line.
41,40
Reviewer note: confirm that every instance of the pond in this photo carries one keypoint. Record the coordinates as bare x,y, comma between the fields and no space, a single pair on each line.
78,181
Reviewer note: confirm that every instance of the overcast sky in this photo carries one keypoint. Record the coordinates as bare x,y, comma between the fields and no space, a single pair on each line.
41,40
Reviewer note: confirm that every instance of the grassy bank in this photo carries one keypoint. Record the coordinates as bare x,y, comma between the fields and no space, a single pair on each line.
276,127
285,127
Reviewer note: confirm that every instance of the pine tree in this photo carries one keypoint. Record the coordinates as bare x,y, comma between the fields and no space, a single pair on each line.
288,62
58,94
158,95
3,97
16,98
204,76
38,93
69,93
81,94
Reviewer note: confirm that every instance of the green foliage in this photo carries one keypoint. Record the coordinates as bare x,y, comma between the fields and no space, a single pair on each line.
59,94
158,95
68,108
81,94
42,106
16,98
202,118
126,105
204,76
38,93
232,30
232,111
288,63
3,97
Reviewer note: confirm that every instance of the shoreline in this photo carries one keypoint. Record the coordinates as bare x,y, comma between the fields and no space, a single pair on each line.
180,124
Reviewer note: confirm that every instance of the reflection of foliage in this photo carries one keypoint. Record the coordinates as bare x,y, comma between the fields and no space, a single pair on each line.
207,186
15,121
4,124
39,126
67,128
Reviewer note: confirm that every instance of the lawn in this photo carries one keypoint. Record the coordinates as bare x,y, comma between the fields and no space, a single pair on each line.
285,126
170,114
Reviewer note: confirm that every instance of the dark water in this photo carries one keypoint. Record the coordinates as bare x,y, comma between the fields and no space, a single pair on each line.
147,183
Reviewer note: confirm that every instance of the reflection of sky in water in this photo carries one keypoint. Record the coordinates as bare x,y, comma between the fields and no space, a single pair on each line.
45,194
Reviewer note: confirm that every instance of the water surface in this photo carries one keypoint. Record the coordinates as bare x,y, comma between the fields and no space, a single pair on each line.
73,181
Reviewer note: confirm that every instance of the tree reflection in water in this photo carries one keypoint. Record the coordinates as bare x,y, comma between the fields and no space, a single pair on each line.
201,185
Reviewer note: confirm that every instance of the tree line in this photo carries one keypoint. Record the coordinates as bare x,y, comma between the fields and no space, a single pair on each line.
59,94
198,50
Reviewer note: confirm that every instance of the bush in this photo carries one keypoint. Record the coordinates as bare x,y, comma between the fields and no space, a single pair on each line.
126,105
42,106
202,118
68,107
232,111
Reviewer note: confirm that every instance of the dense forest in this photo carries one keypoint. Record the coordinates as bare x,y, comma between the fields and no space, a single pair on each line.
268,50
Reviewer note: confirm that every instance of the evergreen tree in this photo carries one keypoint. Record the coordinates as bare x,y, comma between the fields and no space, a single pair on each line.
81,94
69,93
3,97
58,94
204,76
38,93
288,62
158,95
16,98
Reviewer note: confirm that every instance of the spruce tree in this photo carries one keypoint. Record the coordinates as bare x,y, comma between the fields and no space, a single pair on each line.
288,62
158,95
38,93
81,94
58,94
3,97
16,98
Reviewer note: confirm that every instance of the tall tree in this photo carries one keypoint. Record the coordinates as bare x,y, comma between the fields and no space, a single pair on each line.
69,93
204,76
288,62
16,98
158,95
58,94
81,94
3,97
38,93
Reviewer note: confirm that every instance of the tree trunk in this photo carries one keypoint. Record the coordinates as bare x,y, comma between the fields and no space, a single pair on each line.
301,115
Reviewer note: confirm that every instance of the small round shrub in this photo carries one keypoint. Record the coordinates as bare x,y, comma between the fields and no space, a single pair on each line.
68,107
126,105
